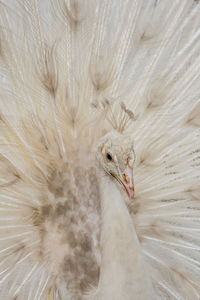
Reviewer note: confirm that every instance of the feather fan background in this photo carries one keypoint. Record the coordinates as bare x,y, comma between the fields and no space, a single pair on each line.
57,58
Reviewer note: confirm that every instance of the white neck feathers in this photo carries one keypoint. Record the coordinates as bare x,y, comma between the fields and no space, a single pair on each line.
122,274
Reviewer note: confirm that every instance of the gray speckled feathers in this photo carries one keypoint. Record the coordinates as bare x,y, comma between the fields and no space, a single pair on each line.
69,220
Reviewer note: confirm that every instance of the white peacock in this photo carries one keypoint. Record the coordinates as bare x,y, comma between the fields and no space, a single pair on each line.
85,213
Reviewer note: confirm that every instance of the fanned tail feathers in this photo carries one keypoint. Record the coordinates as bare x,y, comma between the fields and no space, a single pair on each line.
57,58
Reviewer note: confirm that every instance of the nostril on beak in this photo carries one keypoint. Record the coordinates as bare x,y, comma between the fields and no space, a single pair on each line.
127,180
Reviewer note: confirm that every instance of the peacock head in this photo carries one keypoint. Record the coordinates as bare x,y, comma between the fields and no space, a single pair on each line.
116,156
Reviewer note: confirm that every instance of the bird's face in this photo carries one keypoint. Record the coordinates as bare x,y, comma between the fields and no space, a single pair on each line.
116,156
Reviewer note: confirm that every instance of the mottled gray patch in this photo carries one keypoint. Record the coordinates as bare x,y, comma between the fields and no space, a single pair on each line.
75,213
46,209
55,184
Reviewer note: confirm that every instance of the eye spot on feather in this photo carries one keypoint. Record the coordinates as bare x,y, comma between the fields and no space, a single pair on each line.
99,82
49,75
71,14
146,37
43,142
49,84
193,118
154,96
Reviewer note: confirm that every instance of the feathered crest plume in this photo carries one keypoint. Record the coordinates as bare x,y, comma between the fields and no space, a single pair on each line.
116,113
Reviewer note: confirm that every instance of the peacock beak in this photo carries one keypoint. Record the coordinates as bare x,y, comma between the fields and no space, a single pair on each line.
127,181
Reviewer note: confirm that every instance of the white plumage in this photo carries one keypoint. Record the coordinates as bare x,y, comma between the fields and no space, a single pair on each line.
70,72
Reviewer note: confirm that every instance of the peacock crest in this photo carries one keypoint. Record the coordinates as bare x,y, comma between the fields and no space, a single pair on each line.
115,113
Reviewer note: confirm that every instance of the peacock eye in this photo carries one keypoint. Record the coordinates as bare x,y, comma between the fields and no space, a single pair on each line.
109,157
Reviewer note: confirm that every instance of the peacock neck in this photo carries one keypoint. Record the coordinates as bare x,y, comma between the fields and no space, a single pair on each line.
122,274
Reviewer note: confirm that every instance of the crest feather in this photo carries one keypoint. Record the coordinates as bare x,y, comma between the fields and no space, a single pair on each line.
116,113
